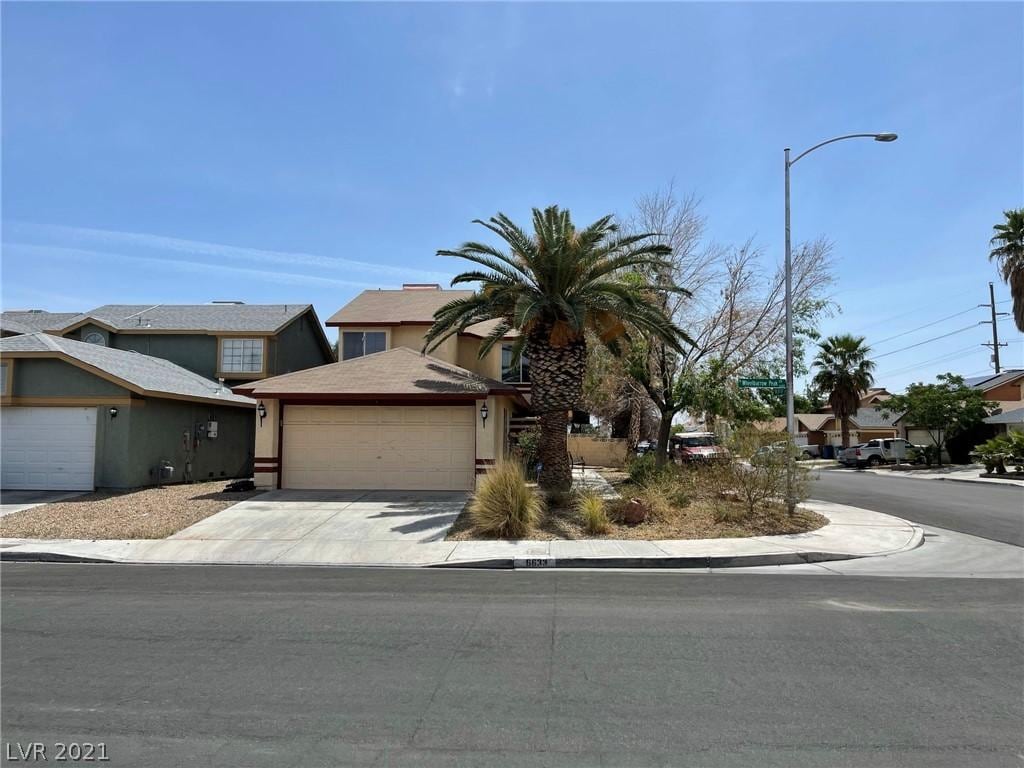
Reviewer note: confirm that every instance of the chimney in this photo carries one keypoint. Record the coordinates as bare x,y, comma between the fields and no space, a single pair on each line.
421,287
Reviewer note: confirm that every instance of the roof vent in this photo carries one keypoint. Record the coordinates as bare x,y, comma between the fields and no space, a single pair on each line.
421,287
227,302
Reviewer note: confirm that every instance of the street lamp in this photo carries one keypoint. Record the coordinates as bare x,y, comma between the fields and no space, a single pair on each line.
790,416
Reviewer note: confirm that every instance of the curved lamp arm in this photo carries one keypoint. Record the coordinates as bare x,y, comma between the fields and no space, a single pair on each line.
884,137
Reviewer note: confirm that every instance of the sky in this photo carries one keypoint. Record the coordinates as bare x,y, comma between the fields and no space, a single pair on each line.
284,153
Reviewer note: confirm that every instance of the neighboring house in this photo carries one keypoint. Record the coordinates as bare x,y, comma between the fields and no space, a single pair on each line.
225,340
394,419
386,415
1001,387
824,429
1007,421
77,416
870,398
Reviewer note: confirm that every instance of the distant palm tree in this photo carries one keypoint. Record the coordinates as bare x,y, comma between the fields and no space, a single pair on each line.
1009,253
553,286
844,371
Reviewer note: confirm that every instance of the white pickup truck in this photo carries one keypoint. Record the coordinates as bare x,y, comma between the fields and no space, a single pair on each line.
875,452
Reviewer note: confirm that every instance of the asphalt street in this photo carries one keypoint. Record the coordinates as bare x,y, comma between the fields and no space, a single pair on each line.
238,666
993,512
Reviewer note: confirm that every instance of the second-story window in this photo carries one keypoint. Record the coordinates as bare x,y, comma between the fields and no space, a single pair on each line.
518,373
359,343
241,356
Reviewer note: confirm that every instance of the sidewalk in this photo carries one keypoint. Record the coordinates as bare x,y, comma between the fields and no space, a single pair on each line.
957,473
851,533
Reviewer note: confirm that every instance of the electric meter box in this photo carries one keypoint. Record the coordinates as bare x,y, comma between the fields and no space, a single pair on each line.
211,429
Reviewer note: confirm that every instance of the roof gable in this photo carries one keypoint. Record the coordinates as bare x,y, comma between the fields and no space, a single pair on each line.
142,374
395,374
394,307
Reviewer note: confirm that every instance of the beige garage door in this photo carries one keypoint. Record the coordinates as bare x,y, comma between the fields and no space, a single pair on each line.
386,447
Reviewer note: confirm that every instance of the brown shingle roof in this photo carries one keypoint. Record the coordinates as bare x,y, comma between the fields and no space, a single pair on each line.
396,374
394,307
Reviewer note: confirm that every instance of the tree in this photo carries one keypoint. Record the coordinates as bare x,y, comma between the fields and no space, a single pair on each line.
945,409
844,371
1009,254
735,312
555,287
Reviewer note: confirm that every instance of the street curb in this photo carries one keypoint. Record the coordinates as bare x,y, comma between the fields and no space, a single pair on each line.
528,563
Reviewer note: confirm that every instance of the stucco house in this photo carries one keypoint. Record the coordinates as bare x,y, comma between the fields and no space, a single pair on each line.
386,415
77,415
232,341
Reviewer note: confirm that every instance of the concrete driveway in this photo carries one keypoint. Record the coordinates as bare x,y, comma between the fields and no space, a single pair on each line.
312,526
19,501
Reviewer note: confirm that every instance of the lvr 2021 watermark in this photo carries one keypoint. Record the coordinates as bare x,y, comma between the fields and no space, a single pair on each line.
57,752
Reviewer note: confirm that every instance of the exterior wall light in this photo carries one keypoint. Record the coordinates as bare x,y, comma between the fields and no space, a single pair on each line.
483,414
113,413
261,411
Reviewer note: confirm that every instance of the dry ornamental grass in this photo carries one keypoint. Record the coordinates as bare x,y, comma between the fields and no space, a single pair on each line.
145,513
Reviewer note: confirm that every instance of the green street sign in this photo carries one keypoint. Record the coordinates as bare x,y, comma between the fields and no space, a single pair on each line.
763,383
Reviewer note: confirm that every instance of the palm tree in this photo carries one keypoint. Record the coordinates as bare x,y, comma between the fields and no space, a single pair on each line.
1009,252
844,371
553,287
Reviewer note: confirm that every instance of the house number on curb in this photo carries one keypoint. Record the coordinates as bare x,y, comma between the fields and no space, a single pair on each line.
533,562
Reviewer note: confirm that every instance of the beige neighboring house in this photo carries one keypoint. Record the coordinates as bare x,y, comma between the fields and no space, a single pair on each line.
824,429
387,416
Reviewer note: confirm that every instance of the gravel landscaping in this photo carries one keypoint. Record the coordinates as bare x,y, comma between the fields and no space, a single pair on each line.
144,513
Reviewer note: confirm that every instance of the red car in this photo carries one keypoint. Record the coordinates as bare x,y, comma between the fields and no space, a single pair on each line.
697,446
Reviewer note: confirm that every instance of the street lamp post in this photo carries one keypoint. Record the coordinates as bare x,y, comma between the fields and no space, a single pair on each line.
790,416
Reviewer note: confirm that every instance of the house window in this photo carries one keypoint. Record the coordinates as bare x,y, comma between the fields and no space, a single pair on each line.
241,356
95,337
359,343
5,379
514,373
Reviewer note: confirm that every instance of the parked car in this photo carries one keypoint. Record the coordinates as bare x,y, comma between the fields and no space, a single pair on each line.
804,451
686,447
876,452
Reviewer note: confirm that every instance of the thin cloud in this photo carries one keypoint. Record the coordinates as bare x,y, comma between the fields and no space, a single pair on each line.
220,250
290,278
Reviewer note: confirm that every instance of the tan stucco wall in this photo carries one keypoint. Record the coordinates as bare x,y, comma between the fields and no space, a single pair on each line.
598,451
266,445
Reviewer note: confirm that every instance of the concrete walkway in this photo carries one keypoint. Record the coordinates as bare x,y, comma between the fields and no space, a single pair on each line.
19,501
851,533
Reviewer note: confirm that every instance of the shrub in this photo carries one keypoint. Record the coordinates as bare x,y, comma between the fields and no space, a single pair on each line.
761,479
655,496
590,507
504,505
526,447
644,469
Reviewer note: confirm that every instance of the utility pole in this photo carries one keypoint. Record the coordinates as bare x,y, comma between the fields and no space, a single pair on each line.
995,328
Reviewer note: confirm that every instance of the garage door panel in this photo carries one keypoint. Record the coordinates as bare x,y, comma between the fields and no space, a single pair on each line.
366,447
47,448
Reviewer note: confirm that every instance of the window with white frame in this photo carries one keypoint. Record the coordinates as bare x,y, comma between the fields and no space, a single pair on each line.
514,373
241,356
359,343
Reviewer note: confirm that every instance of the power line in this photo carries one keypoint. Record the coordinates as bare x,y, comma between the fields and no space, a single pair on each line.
926,325
928,341
963,352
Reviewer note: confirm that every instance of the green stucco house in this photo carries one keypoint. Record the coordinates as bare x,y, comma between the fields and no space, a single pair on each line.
77,416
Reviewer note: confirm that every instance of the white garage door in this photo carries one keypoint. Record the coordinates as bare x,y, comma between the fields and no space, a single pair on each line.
47,449
387,447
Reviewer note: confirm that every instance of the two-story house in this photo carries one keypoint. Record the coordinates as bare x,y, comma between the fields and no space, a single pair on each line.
387,415
232,341
103,398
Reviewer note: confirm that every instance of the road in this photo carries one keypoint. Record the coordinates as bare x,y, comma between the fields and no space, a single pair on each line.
993,512
206,666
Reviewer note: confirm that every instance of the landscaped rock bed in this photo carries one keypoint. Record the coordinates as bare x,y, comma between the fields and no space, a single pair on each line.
145,513
691,514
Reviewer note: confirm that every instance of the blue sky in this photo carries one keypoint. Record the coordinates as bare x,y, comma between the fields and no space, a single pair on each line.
300,153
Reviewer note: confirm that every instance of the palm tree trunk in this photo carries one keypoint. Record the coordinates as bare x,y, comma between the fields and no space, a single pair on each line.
1017,292
556,385
844,422
556,471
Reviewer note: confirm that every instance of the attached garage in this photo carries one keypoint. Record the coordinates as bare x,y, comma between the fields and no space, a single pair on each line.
394,420
385,447
47,448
